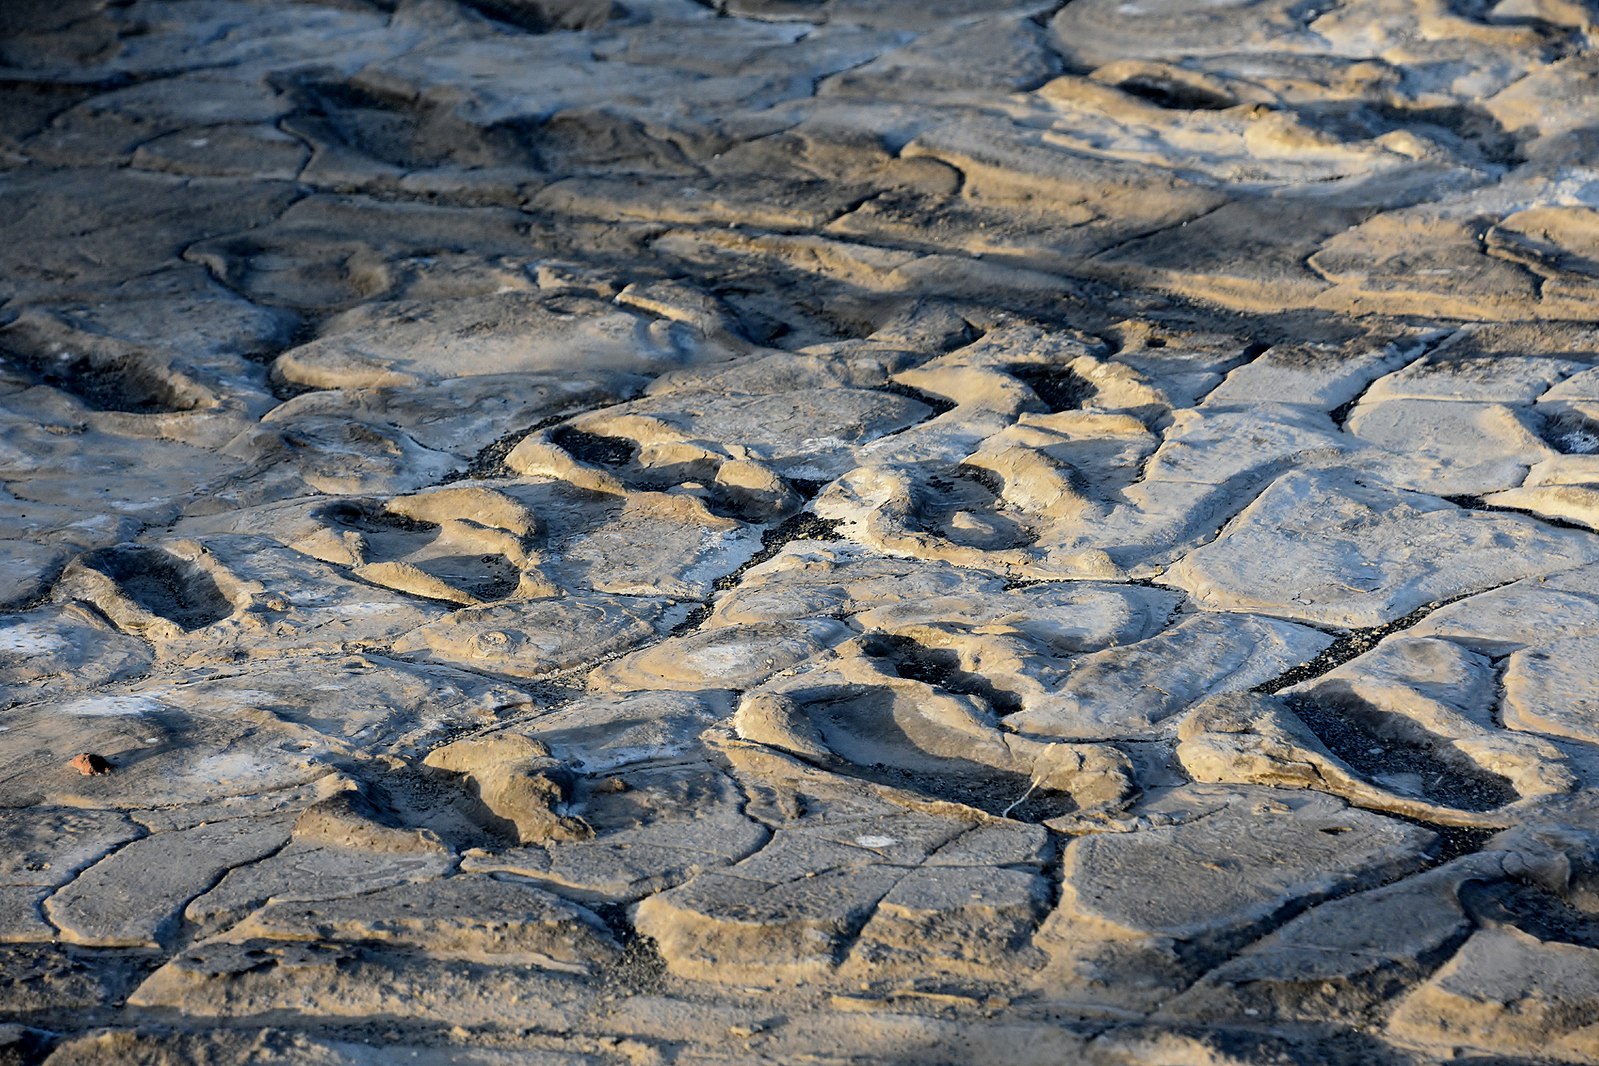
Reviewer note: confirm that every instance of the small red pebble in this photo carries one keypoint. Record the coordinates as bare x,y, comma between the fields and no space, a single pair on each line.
88,764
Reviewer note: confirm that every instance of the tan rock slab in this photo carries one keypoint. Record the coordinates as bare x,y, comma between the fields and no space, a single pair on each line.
466,917
1508,992
1551,688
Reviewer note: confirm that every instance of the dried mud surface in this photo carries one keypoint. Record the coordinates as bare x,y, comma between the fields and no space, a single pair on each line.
645,532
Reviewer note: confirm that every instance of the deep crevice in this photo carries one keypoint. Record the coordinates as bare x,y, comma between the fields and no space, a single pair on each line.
939,667
1398,753
1058,388
163,584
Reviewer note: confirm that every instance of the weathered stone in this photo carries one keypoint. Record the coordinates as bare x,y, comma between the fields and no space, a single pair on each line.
1106,933
69,646
734,657
133,897
802,478
1549,689
1129,691
663,827
46,847
544,637
1371,555
1505,991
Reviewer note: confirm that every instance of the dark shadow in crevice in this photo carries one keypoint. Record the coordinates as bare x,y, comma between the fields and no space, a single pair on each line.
802,526
940,667
1397,753
120,383
1570,433
594,449
549,16
1058,388
1174,95
163,584
1533,910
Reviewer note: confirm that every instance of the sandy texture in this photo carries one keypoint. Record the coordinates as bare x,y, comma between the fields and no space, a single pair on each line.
642,532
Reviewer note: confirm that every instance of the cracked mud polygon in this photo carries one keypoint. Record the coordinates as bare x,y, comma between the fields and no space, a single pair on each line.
670,532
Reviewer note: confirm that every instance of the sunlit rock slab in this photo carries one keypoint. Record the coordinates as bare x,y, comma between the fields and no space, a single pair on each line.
1338,552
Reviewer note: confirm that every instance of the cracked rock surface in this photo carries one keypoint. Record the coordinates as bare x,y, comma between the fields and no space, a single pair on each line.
642,532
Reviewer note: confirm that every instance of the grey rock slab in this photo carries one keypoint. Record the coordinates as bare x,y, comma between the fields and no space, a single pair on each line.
363,704
229,594
47,978
1347,957
1514,616
134,897
666,825
179,319
1462,679
175,39
61,461
331,453
1109,115
1580,387
1468,368
1184,364
994,55
903,719
326,253
281,1046
543,637
787,912
1015,166
1448,448
229,150
356,983
809,579
26,570
726,657
462,416
309,871
44,848
110,126
468,916
136,223
68,647
1129,691
1327,549
412,342
1063,618
1222,445
22,915
1550,688
605,733
812,435
1321,376
631,543
1100,31
1573,505
949,921
161,754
